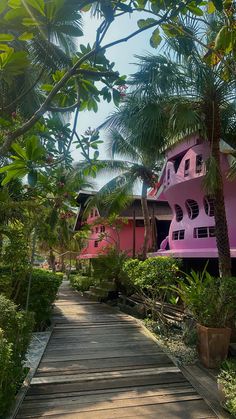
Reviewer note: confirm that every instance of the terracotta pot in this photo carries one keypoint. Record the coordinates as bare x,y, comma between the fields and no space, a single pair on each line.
213,345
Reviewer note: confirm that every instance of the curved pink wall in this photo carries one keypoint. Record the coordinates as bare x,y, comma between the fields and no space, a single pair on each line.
178,188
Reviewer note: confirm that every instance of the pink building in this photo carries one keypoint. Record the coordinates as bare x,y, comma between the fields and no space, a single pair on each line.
192,230
131,232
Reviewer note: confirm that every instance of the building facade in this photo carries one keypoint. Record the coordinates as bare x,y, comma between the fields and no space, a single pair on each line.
127,232
192,230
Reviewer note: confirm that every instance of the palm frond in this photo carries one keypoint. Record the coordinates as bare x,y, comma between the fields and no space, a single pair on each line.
119,146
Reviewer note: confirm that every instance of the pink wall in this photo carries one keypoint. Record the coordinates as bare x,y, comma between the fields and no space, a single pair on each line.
183,185
126,239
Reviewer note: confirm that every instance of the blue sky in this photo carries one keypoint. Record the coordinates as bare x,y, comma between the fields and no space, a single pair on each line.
122,55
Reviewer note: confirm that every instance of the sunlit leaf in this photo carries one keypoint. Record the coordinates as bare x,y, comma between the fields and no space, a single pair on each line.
223,40
6,37
211,7
37,4
143,23
155,39
26,36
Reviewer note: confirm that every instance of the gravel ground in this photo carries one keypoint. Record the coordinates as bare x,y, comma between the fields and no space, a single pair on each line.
36,349
172,342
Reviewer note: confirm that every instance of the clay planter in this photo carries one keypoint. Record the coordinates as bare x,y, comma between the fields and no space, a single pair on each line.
213,345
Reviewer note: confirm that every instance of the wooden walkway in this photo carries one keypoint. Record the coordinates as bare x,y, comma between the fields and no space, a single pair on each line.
100,364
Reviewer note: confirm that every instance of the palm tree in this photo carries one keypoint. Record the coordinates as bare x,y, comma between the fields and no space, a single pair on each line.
135,156
51,48
199,99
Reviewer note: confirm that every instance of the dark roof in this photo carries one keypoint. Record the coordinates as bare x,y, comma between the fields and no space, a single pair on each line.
159,209
156,208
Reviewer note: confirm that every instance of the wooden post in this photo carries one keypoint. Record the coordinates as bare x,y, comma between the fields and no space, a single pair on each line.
134,234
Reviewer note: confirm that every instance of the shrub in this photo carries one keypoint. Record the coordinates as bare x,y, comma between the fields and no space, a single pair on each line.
153,276
44,287
211,301
81,283
15,333
227,378
8,384
6,285
110,266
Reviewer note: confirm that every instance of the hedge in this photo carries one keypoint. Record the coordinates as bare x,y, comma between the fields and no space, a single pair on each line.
15,334
44,287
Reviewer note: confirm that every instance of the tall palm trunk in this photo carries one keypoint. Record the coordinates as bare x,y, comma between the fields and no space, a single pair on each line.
221,227
147,227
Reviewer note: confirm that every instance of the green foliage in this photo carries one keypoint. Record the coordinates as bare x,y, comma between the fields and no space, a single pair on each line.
109,266
211,301
15,333
43,293
227,378
6,285
25,161
81,282
153,276
8,384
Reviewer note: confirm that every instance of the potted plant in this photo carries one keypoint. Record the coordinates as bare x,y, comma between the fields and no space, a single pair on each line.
212,303
227,386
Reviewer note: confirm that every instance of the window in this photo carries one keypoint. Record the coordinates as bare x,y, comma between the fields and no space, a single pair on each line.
168,176
203,232
139,223
102,229
96,229
178,212
192,208
95,213
199,163
209,205
91,213
96,243
92,230
186,167
178,235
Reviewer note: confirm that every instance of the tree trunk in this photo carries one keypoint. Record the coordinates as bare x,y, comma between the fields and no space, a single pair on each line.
221,227
147,227
52,260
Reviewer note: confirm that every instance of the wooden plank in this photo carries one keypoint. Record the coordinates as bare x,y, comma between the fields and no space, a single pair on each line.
78,407
207,387
104,375
110,363
110,392
115,395
192,409
90,346
107,383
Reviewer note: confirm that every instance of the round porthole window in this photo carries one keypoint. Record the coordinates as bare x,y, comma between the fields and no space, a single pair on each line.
178,212
209,205
192,208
